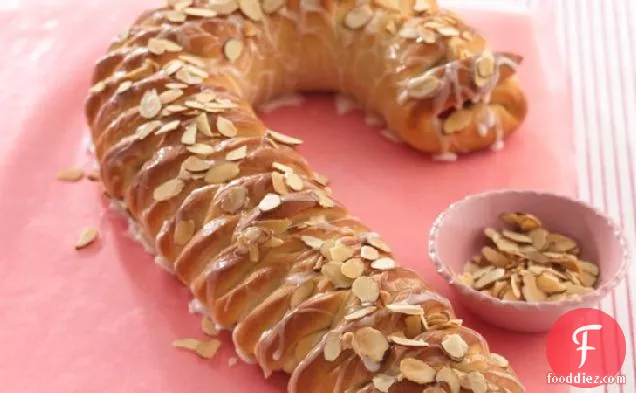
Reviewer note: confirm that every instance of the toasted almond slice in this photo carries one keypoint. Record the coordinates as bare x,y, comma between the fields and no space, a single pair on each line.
489,278
577,290
284,139
366,289
168,189
560,243
448,375
186,343
159,46
232,49
208,327
150,105
184,230
370,343
475,381
332,348
168,127
237,154
189,136
515,285
408,342
222,172
208,349
203,124
251,9
383,382
409,309
358,17
269,202
530,289
423,86
203,12
384,263
124,87
278,183
333,272
282,167
195,164
226,127
549,284
587,279
294,181
499,360
87,237
70,174
516,236
312,242
495,257
375,240
302,293
539,238
417,371
170,96
200,148
361,313
457,121
369,253
589,267
455,346
353,268
340,252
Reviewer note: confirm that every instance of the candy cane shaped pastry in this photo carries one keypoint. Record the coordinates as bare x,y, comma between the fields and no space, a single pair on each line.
237,214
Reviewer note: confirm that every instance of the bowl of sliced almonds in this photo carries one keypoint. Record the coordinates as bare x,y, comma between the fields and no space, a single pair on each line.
520,259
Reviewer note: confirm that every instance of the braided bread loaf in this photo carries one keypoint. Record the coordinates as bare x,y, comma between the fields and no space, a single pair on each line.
237,214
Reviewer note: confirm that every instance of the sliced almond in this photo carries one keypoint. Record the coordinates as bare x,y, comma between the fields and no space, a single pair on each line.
448,31
408,342
340,252
353,268
226,127
485,66
576,290
302,293
384,263
189,136
358,17
366,289
549,284
455,346
237,154
208,349
383,382
539,238
313,242
515,282
409,309
168,190
530,289
87,237
203,12
457,121
232,49
421,6
489,278
284,139
560,243
159,46
417,371
200,148
195,164
208,327
150,105
475,381
294,181
234,200
377,242
170,96
70,174
184,230
270,202
251,9
282,167
499,360
423,86
203,124
495,257
332,346
222,172
223,7
589,268
370,343
278,183
369,253
361,313
587,279
168,127
448,375
516,236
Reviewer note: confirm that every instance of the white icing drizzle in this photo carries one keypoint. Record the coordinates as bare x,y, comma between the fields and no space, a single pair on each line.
289,100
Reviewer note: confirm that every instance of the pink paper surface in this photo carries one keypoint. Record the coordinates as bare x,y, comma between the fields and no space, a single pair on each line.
103,319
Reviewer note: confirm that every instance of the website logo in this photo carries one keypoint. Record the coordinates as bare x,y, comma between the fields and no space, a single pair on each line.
585,348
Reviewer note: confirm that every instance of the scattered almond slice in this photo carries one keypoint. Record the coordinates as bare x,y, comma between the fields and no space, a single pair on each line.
383,382
269,202
455,346
408,342
369,253
312,242
237,154
184,230
169,189
284,139
449,376
333,272
361,313
366,289
384,263
71,174
353,268
88,236
409,309
370,343
207,326
417,371
332,346
375,241
222,172
226,127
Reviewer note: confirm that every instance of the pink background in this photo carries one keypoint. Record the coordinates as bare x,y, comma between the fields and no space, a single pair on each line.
104,318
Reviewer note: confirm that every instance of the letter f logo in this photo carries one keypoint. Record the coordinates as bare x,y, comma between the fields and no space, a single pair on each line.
583,344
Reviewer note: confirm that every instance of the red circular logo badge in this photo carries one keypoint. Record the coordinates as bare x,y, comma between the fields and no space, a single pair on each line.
584,347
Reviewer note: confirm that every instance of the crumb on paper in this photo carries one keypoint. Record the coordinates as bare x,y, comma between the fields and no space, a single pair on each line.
233,361
71,174
88,236
206,349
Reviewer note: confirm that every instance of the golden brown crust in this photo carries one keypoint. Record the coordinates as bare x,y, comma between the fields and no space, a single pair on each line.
239,216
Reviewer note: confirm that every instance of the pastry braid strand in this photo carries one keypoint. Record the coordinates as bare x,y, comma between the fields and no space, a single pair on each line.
237,214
